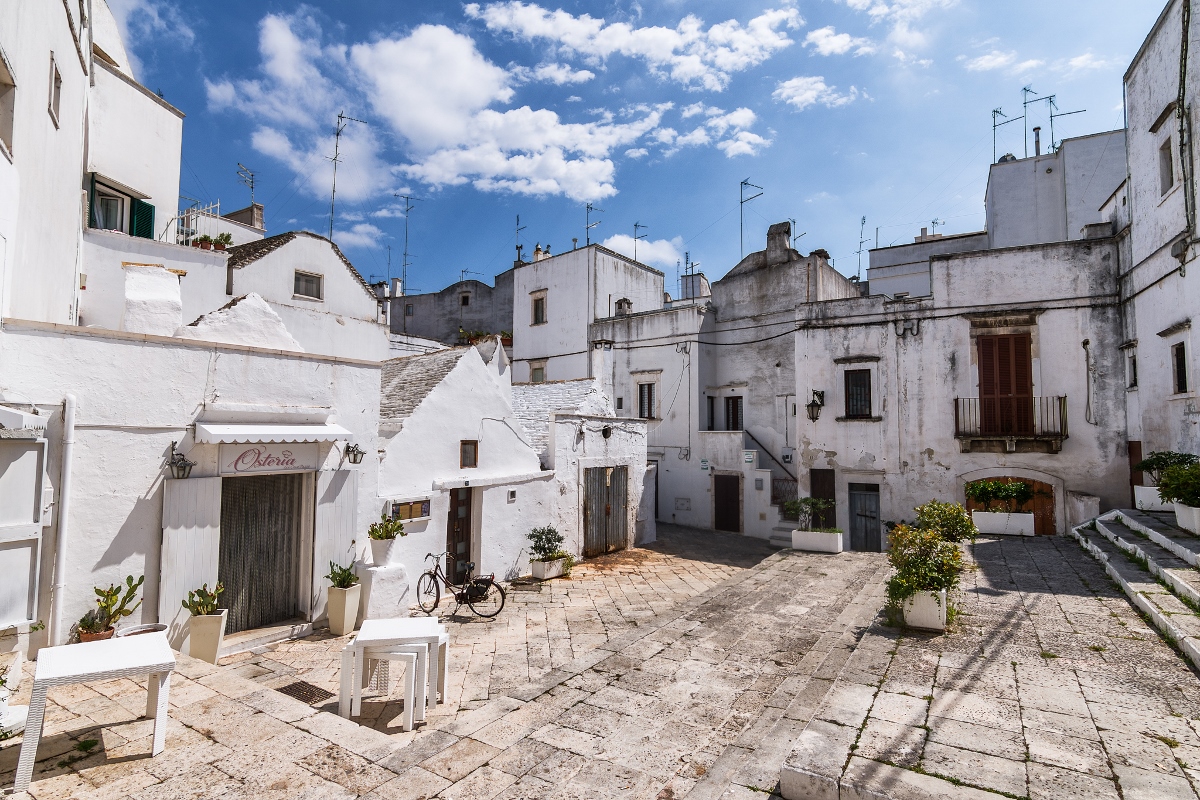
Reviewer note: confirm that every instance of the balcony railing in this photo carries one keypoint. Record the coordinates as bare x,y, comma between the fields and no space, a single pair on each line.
1010,418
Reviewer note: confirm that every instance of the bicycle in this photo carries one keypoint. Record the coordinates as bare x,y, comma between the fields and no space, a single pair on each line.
482,594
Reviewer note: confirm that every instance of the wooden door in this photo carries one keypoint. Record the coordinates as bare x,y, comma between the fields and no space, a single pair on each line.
458,536
605,510
191,522
1136,478
865,533
821,487
727,503
1041,506
1006,384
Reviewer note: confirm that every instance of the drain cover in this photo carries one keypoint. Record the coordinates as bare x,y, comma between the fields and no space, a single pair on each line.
306,692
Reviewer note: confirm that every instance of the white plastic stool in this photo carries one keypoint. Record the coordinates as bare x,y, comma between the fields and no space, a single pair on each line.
354,677
376,667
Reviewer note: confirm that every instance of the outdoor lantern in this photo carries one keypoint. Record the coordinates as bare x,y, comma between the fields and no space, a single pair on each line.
354,453
815,405
180,466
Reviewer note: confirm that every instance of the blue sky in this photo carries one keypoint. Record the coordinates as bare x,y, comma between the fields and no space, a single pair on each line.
654,112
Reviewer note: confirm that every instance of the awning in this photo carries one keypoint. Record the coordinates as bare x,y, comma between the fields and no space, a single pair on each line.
210,433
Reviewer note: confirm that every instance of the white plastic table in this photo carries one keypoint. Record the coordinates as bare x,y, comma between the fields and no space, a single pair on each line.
385,633
126,657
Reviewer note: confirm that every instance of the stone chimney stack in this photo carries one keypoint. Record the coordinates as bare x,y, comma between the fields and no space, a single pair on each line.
602,366
779,243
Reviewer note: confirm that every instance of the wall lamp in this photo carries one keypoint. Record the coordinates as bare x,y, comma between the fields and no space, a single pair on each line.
180,466
815,405
354,454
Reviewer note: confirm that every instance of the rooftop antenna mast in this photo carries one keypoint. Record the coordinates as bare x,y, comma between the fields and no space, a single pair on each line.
1054,115
1026,91
588,224
742,200
520,228
246,178
933,225
861,241
408,207
342,119
636,227
996,112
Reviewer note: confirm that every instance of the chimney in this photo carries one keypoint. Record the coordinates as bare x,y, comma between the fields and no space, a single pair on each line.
574,243
1037,140
537,252
602,366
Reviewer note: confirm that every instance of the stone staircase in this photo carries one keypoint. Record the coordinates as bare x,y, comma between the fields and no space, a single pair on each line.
1155,564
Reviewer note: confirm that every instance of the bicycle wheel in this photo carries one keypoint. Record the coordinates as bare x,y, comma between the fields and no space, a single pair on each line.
428,592
489,603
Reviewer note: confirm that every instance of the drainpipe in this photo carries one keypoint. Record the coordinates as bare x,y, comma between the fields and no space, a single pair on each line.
57,634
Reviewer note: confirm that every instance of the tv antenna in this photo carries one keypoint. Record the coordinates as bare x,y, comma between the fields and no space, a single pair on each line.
342,119
1053,115
246,178
636,227
933,225
520,228
1026,91
742,200
996,113
861,241
588,224
408,207
463,273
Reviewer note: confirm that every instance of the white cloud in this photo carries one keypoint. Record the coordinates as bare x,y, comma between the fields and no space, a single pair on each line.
743,143
1086,62
147,19
687,54
827,42
363,234
558,74
655,252
904,17
998,59
803,92
726,131
637,152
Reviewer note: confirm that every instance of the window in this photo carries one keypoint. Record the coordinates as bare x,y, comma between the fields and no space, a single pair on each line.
468,454
712,413
1179,363
109,212
408,309
858,393
1131,370
55,104
620,403
415,509
539,310
733,413
1166,168
308,285
537,372
8,106
1006,405
465,300
646,400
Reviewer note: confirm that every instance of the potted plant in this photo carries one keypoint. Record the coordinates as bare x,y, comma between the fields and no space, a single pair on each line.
222,241
950,520
383,539
206,628
1147,498
548,559
805,537
927,569
1180,484
205,242
111,606
343,599
1003,502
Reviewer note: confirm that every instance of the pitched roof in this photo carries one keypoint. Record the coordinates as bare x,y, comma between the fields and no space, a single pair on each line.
408,380
534,402
243,254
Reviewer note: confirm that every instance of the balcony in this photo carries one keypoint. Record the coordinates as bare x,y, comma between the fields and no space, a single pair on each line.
1010,424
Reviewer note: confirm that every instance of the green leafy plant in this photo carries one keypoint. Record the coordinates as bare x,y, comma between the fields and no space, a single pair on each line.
93,622
224,238
112,605
386,528
341,577
1004,496
1180,484
546,543
949,519
201,602
803,509
205,239
1157,462
924,562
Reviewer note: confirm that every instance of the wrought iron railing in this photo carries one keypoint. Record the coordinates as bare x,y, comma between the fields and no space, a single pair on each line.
1017,417
783,490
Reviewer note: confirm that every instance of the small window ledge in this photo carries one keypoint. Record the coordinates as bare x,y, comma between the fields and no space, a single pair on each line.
858,419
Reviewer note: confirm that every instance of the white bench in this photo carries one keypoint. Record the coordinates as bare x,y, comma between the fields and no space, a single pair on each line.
126,657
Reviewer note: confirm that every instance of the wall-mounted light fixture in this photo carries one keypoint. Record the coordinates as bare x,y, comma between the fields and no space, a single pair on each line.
815,405
354,454
180,466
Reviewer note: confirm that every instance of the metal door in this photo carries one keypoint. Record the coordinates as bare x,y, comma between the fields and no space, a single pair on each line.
605,510
458,535
727,503
865,533
261,549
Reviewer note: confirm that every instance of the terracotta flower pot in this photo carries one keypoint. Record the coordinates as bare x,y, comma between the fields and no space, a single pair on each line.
206,245
218,246
96,637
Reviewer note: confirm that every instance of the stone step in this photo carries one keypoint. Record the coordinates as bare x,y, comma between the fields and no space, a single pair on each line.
1160,528
1180,576
1174,620
245,641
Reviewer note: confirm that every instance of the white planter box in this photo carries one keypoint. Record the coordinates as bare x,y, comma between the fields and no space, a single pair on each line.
1146,498
817,541
545,570
1187,518
383,551
205,633
926,610
1003,524
343,609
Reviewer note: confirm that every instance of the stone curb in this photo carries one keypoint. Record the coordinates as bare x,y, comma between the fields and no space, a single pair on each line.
1179,587
1190,556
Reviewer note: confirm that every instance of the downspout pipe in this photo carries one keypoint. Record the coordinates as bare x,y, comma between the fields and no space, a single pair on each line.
58,635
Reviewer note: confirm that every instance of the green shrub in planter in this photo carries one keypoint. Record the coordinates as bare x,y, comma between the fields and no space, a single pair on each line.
996,495
386,528
924,562
1180,484
803,509
949,519
545,543
341,577
1158,462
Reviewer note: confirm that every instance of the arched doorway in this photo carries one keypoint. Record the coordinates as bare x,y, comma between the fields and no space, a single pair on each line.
1042,504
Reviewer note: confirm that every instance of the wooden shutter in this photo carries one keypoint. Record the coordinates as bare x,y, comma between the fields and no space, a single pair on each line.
1006,384
141,219
23,503
191,546
335,529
